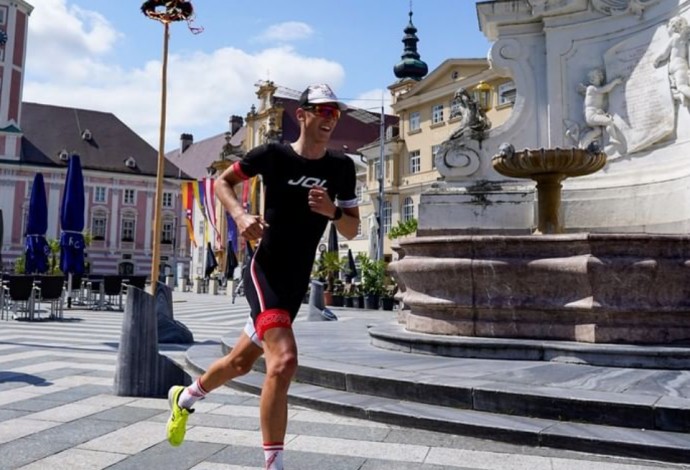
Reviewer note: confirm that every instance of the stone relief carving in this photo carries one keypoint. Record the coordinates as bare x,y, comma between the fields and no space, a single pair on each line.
619,7
458,155
643,109
676,55
600,122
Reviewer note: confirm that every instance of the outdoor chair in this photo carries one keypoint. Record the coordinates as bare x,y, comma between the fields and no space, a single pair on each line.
21,292
50,289
94,293
112,290
135,281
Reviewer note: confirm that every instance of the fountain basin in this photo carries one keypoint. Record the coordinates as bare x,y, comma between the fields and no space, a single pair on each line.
594,288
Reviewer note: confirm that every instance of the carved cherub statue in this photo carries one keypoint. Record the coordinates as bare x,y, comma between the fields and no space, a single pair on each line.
676,53
595,104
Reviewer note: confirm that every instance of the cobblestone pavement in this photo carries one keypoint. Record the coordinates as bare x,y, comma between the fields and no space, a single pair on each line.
57,411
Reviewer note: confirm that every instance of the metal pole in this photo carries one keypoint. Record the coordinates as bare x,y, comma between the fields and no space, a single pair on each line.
157,219
382,182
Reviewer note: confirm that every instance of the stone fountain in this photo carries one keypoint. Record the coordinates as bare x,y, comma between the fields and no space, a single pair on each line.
619,271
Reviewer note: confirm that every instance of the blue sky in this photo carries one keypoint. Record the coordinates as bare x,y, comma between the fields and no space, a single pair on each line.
106,55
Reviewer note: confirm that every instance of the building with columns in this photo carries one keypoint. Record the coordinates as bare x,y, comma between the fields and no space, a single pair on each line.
119,170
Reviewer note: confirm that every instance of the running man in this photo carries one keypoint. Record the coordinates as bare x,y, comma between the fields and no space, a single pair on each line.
306,186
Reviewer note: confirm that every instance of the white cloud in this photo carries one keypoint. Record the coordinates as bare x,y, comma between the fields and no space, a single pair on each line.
66,40
371,101
204,88
286,32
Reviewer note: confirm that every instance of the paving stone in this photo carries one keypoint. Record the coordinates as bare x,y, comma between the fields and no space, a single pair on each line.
24,451
78,431
128,414
163,456
6,414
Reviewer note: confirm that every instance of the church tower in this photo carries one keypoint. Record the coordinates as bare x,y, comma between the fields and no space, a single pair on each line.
14,23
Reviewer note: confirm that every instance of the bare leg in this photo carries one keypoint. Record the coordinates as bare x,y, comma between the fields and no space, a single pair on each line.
237,362
280,351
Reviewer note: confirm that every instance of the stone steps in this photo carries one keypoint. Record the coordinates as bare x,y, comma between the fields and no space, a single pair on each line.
617,424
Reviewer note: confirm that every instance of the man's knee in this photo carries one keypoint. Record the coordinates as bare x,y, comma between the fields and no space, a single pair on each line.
282,366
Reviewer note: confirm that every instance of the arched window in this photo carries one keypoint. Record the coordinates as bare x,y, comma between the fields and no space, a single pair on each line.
407,209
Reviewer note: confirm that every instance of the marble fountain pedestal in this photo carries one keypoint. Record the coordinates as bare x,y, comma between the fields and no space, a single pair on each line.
586,287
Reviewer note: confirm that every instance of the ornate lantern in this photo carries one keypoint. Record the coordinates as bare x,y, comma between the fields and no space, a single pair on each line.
482,95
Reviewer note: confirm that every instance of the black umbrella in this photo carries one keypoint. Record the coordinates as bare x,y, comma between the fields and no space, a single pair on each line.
231,262
333,239
37,249
211,261
351,267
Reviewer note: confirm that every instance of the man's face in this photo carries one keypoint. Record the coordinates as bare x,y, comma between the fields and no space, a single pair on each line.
320,120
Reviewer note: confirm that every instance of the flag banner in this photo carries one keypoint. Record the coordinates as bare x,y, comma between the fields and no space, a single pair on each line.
210,205
188,206
199,195
232,230
254,196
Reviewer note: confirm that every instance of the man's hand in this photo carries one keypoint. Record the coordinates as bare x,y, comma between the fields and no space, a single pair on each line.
320,202
251,227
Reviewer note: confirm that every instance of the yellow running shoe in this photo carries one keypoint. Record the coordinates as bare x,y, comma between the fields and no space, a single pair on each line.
177,423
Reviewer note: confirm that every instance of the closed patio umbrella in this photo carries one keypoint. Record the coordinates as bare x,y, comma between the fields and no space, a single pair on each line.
230,262
36,248
333,239
72,224
211,261
351,267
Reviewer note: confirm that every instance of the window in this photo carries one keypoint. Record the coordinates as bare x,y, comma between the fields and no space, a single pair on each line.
437,114
99,194
506,93
167,231
129,197
415,162
377,169
99,220
407,209
359,192
128,225
359,229
415,121
167,200
387,216
434,151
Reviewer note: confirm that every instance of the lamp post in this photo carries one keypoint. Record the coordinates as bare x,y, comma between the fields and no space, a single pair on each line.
166,12
382,183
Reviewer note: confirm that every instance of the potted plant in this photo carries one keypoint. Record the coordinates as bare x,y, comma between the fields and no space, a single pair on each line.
329,268
373,276
387,298
338,293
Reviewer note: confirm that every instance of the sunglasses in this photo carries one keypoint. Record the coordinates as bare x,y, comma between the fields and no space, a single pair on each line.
324,111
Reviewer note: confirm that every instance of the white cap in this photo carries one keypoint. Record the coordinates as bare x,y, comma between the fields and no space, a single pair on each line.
319,94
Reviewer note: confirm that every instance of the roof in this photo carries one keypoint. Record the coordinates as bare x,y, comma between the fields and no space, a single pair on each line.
195,160
356,129
49,130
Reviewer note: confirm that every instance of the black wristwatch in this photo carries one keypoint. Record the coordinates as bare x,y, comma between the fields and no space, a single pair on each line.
338,214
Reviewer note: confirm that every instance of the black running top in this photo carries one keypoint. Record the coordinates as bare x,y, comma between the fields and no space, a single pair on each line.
294,231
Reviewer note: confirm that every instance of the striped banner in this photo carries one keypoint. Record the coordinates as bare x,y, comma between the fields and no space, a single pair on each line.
188,205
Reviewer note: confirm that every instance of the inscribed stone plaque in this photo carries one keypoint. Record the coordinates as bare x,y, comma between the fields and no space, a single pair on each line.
643,107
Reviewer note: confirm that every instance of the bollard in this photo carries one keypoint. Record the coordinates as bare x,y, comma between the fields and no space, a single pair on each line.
317,307
141,371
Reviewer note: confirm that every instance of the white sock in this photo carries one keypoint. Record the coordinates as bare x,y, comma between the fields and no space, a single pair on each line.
191,395
273,453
